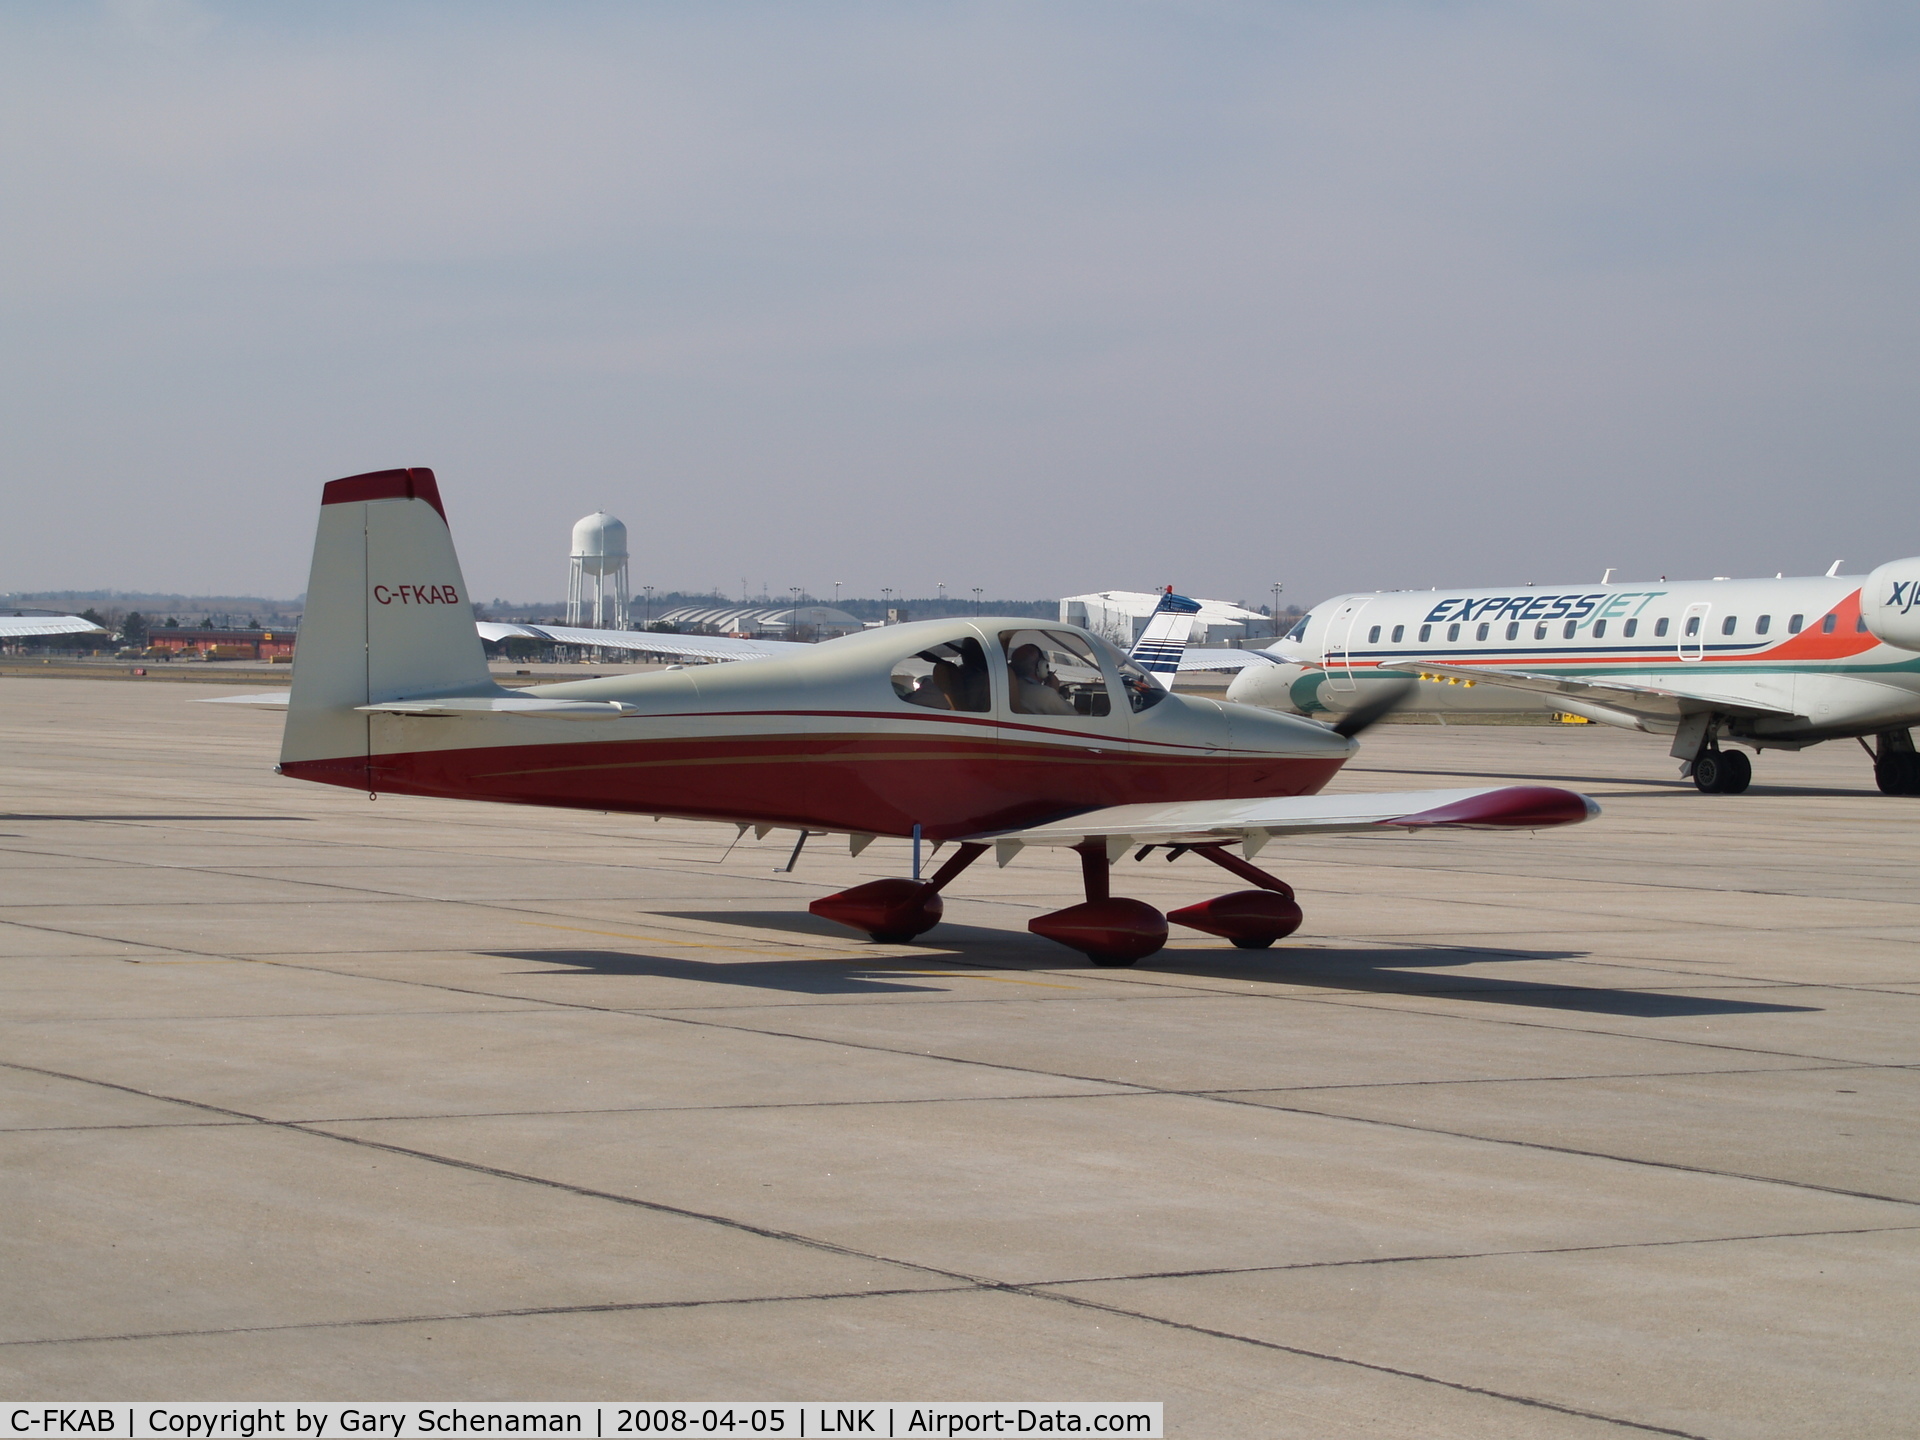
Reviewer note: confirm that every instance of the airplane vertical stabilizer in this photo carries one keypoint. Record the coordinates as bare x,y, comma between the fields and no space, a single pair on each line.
1164,641
388,616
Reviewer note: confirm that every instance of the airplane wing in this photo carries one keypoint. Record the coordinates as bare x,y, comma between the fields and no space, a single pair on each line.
649,642
13,627
1651,701
1251,823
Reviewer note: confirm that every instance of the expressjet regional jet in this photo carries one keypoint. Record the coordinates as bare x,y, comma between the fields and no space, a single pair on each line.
989,733
1770,664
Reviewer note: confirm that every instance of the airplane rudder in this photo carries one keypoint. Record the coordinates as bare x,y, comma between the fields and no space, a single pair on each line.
387,611
420,631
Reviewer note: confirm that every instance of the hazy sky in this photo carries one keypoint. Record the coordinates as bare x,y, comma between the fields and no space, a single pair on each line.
1036,297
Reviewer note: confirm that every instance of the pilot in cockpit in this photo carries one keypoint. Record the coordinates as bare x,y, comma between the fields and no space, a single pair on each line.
1036,689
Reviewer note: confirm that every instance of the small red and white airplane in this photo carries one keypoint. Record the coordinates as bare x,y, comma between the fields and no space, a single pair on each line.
993,733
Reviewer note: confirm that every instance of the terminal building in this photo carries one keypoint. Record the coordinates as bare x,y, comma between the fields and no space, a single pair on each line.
1120,616
272,645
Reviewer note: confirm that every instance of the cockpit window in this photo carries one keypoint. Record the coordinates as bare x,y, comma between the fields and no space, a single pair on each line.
952,676
1143,692
1299,632
1052,673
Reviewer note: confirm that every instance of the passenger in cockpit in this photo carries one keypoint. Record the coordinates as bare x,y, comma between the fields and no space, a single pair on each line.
936,687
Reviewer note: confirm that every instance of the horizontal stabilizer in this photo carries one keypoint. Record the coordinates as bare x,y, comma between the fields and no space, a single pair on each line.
1228,659
270,700
484,705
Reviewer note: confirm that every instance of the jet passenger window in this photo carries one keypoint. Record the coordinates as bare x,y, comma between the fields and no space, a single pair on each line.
1425,632
1051,673
1660,626
1373,636
1399,633
1481,633
1453,632
1763,624
1693,626
1629,629
1826,625
1540,631
1566,630
1859,624
1726,625
1794,622
952,676
1513,630
1599,628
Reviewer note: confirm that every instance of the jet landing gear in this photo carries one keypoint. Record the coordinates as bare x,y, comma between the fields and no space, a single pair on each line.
1896,767
1715,771
1722,772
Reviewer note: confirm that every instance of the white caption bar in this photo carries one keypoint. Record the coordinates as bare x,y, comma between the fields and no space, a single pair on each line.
790,1420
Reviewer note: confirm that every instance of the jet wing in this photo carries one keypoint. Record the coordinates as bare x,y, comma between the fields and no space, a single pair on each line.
1251,823
1650,701
13,627
649,642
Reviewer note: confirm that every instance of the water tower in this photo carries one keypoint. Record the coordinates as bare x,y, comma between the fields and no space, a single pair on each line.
598,578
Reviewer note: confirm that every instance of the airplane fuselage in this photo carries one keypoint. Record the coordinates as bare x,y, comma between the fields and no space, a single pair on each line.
1798,648
824,740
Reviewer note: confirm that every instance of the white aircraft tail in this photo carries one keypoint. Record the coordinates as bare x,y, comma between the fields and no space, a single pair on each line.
388,616
1164,641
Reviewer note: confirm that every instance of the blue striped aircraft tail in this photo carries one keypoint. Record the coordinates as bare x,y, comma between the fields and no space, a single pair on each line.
1164,641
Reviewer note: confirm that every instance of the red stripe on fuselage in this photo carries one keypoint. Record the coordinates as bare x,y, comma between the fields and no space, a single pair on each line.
878,784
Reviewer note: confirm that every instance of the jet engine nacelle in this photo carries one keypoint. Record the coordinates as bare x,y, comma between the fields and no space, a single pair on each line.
1272,687
1890,603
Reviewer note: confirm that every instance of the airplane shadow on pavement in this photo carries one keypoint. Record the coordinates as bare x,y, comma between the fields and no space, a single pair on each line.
1413,971
798,977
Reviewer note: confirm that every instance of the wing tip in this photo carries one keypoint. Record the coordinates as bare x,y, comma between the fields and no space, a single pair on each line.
1511,807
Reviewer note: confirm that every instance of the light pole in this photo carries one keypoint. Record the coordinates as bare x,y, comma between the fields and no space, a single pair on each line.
976,601
793,615
942,587
836,593
1277,588
886,597
648,589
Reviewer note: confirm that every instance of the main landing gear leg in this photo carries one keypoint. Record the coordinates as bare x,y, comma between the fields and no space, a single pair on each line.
895,911
1896,766
1251,919
1715,771
1107,930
